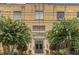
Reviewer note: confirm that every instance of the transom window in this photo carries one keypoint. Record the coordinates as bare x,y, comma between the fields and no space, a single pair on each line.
38,28
39,15
17,15
60,15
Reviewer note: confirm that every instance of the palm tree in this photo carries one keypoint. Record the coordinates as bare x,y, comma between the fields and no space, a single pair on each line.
64,34
13,33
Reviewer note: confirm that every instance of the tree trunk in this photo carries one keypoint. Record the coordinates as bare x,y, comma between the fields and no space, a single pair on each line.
67,52
68,43
6,48
12,49
20,52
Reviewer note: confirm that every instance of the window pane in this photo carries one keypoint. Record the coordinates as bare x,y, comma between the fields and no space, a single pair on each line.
41,46
38,28
60,15
39,15
17,15
36,46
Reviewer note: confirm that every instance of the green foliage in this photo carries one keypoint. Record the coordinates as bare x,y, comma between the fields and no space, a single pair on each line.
64,33
13,32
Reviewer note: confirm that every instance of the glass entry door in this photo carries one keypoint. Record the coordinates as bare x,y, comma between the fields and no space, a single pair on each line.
38,46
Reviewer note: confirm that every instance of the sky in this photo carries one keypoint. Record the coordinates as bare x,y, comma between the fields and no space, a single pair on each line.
39,1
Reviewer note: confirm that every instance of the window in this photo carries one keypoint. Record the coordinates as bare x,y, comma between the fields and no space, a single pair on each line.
17,15
60,15
78,14
38,28
39,15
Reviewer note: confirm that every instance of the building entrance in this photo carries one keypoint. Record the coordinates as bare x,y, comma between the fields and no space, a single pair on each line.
38,46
